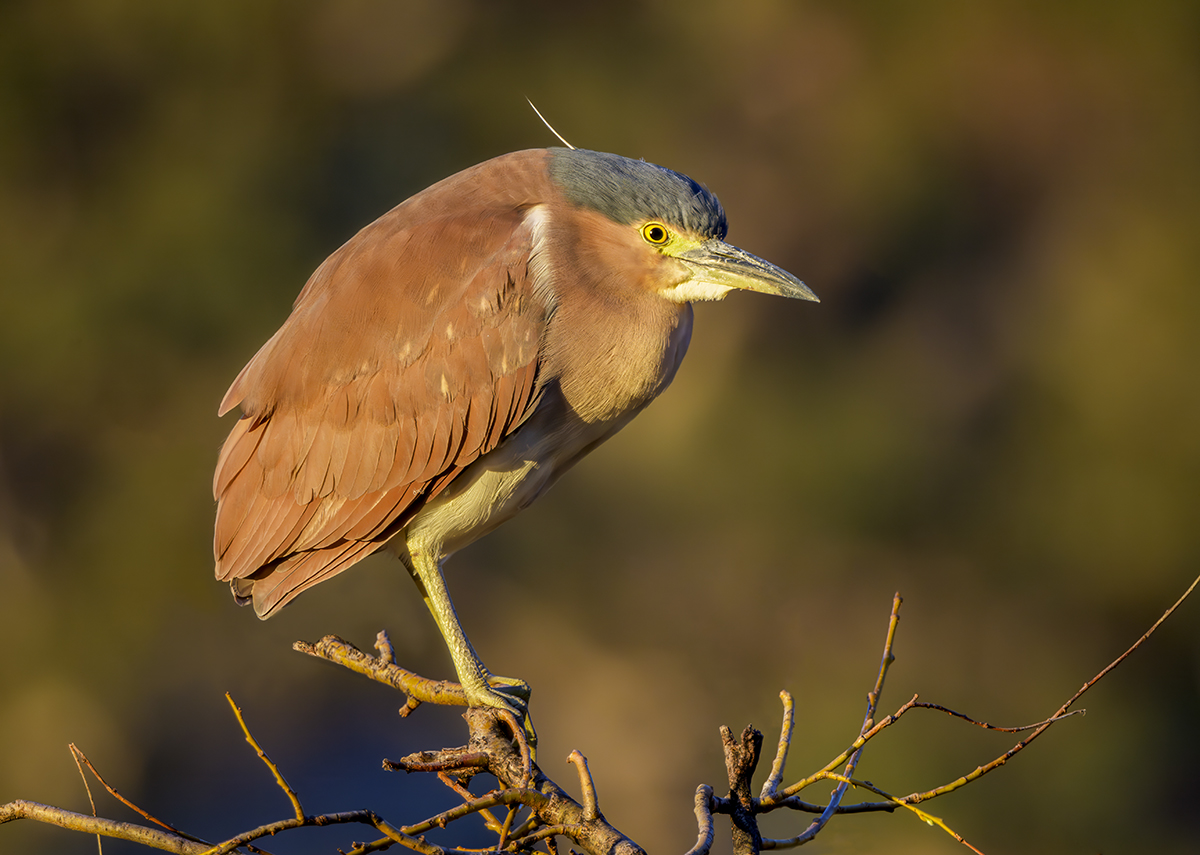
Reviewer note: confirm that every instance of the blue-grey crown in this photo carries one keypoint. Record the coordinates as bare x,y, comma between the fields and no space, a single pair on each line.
629,191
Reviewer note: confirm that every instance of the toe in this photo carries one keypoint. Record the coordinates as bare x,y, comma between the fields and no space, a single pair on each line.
510,686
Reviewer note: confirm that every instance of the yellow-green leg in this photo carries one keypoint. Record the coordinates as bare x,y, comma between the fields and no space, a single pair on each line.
482,688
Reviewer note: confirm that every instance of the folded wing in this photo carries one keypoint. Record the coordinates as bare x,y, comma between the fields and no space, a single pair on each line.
397,368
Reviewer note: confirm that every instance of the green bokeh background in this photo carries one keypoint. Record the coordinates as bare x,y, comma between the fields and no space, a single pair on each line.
995,409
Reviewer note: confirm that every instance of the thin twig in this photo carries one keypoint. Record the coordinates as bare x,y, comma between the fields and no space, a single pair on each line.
75,754
798,804
489,818
785,740
954,713
373,846
781,797
545,833
887,660
507,826
873,697
910,801
279,779
912,703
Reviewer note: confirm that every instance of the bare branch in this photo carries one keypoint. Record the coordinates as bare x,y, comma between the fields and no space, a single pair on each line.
333,649
595,836
546,833
499,745
446,760
152,837
704,820
492,736
741,759
887,660
586,785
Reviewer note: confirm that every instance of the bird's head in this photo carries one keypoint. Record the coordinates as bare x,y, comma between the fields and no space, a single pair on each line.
650,211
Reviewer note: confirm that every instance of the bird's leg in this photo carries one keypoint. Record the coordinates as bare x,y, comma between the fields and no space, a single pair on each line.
481,687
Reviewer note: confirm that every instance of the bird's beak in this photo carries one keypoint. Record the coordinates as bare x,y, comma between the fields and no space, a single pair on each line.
725,266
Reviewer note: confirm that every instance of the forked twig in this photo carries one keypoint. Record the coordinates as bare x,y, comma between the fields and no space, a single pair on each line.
75,756
1061,713
895,801
463,793
80,757
854,754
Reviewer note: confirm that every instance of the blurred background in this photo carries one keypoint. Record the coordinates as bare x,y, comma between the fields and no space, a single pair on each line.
995,409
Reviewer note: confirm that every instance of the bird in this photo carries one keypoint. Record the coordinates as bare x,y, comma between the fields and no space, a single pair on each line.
453,359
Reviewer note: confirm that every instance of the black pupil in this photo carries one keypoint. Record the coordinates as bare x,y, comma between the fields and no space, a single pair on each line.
656,233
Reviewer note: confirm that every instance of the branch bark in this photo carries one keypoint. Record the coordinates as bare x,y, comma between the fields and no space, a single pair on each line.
741,759
152,837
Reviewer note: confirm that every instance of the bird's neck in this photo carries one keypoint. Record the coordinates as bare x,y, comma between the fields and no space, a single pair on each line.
619,368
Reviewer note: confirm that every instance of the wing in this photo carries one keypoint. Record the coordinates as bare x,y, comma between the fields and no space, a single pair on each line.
400,364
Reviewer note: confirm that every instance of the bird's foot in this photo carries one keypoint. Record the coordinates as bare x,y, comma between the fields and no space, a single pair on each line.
506,694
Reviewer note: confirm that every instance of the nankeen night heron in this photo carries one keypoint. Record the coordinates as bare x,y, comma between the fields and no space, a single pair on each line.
455,357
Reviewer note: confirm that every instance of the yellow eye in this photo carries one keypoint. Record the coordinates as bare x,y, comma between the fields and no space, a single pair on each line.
655,233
